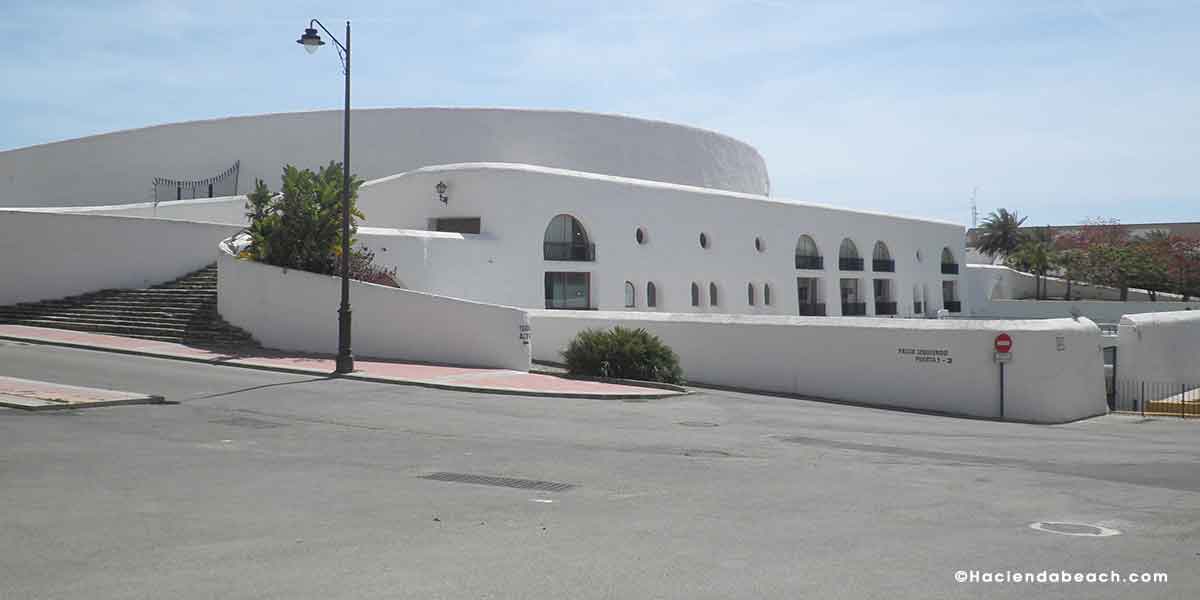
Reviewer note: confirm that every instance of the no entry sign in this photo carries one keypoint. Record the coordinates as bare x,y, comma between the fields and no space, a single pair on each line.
1003,343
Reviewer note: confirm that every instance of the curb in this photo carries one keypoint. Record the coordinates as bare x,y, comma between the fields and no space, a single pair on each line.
353,376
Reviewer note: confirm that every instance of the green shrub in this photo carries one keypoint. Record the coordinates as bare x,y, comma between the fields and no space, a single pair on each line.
622,353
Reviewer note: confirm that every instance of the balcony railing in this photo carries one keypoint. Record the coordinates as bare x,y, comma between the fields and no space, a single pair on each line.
850,264
812,310
567,304
950,268
854,309
953,305
885,308
883,265
918,308
809,262
577,251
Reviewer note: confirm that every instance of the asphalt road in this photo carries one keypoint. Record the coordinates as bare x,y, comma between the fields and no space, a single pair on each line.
265,485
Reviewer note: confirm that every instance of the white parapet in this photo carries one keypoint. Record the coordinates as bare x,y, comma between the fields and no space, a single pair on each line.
298,311
48,256
1056,373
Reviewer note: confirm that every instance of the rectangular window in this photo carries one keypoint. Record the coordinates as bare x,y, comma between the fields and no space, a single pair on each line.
568,291
458,224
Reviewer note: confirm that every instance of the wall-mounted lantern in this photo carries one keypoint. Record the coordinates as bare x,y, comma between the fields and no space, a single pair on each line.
441,191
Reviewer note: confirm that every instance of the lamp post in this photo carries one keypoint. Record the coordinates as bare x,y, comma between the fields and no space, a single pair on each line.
312,41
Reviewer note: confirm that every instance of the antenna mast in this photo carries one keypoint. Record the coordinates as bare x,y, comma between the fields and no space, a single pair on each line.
974,208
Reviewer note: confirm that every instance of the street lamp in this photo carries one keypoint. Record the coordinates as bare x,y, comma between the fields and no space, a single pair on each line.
312,42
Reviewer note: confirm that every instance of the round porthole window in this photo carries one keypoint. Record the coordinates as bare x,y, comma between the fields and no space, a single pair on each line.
758,244
919,257
640,235
704,240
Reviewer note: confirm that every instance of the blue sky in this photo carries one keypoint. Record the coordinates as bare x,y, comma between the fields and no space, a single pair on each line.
1060,110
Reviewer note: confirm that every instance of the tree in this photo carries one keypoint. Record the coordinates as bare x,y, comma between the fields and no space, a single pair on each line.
1000,233
1033,256
1068,261
301,227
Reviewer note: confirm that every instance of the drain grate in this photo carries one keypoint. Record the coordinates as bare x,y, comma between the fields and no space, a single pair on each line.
509,482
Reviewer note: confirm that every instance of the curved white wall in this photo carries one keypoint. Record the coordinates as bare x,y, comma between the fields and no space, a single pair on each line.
1160,348
873,361
116,168
296,310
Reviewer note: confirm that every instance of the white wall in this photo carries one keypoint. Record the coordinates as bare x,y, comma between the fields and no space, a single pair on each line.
296,310
1003,283
50,256
516,202
864,360
1160,348
118,168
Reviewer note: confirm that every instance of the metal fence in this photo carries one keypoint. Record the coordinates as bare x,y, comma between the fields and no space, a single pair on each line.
1163,398
225,184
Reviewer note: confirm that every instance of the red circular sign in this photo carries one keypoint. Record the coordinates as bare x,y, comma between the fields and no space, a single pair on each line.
1003,343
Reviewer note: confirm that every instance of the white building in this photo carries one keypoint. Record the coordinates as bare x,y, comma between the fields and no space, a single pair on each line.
549,209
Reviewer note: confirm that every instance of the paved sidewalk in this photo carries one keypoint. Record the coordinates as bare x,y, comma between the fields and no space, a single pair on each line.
28,394
387,371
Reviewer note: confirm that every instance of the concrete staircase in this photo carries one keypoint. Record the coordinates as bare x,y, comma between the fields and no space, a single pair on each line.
182,311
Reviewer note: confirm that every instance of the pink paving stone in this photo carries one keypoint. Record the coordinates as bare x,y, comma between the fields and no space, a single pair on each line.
450,376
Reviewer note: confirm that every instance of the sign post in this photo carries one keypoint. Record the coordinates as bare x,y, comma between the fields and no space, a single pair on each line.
1003,346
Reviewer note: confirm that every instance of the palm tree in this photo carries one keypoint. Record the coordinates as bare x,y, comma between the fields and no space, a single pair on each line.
1000,233
1034,257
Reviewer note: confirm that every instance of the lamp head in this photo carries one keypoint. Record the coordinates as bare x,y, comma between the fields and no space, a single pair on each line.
311,40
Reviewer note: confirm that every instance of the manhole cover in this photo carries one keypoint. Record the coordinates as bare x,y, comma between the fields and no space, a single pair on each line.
521,484
1081,529
697,424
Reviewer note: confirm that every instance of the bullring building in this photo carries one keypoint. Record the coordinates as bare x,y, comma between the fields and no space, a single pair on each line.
529,208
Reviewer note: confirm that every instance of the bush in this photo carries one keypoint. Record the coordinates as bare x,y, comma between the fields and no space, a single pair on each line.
622,354
301,228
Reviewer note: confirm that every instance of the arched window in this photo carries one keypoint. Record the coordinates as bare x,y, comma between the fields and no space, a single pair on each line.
758,244
807,254
848,258
695,294
750,294
712,294
767,294
949,267
566,239
881,259
651,294
630,295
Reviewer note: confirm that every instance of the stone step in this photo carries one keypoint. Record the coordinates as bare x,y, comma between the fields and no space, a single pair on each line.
102,318
123,328
100,311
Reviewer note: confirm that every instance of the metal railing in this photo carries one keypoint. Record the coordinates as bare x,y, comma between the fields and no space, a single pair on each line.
883,265
950,268
918,308
567,304
1158,398
576,251
809,262
850,264
885,308
953,305
815,309
854,309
